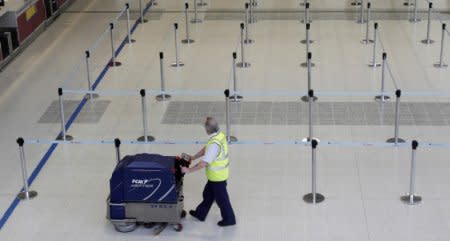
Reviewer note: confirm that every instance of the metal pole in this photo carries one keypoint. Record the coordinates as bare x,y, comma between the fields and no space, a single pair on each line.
382,97
145,137
407,3
235,97
111,27
177,63
247,25
230,138
374,64
127,5
163,96
441,63
25,193
361,13
202,3
188,40
141,13
252,17
411,198
307,41
306,17
314,197
396,139
117,145
63,135
414,19
195,19
309,65
310,100
88,74
428,40
367,40
242,64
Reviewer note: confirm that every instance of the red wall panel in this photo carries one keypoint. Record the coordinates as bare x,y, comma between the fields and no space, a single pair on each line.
26,27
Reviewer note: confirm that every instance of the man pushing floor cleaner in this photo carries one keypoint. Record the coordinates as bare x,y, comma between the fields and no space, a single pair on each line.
215,160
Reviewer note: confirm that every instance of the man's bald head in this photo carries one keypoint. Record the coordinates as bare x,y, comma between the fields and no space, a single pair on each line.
211,125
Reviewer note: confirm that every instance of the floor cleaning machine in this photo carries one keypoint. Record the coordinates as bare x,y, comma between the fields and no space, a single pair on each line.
147,189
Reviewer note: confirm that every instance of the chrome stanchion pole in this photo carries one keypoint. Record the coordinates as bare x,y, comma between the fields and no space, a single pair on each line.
252,16
247,25
243,64
113,62
314,197
308,64
88,75
177,63
163,96
145,137
415,19
188,40
396,139
361,13
307,18
62,136
307,41
441,63
235,97
130,40
230,138
428,40
141,13
382,97
374,63
411,198
117,145
195,19
367,40
24,194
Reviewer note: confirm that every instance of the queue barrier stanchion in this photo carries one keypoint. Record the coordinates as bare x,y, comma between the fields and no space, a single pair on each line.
396,139
25,193
247,39
252,16
382,97
145,137
196,19
188,39
113,62
141,13
63,135
361,13
366,40
117,146
243,64
411,198
310,117
130,40
306,98
307,41
177,63
163,96
314,197
307,17
202,3
88,76
408,3
235,97
428,40
441,63
414,18
230,138
374,63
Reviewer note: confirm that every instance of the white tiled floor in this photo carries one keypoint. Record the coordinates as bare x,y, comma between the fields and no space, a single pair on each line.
362,185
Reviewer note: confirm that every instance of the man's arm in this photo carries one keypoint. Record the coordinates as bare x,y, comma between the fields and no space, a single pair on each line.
209,156
200,165
199,154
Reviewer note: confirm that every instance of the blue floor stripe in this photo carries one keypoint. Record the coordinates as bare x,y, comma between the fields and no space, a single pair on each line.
69,123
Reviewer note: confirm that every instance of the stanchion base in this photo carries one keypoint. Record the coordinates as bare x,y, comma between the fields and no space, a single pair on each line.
355,3
392,140
305,65
88,96
304,41
114,64
180,64
415,20
309,198
23,195
248,41
382,98
243,65
427,41
376,65
149,139
438,65
306,98
202,4
187,41
408,4
232,139
411,200
68,138
196,20
163,97
306,140
235,98
366,41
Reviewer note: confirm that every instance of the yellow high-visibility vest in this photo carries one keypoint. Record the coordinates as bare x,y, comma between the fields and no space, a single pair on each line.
217,170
